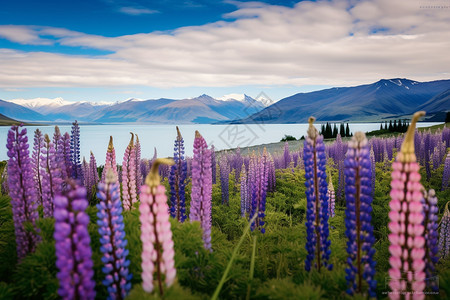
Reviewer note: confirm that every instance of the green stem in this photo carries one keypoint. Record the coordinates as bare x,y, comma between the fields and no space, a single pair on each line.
230,263
252,268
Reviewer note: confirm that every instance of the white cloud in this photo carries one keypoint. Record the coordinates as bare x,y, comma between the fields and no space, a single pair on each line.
313,43
136,11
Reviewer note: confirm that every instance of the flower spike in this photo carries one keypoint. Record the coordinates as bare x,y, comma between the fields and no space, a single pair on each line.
156,234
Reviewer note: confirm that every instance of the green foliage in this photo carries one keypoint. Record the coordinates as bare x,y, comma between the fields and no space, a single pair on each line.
278,257
287,138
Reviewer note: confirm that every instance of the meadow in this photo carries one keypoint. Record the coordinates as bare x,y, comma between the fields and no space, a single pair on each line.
316,222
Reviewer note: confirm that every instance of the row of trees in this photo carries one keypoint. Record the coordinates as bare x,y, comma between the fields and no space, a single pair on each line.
329,132
396,126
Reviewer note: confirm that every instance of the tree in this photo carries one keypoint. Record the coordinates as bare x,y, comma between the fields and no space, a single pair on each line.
394,127
381,126
347,131
447,117
342,130
390,126
335,131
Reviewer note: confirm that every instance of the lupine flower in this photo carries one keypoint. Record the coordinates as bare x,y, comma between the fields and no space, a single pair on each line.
258,187
244,192
112,237
213,164
156,235
224,169
444,234
406,223
51,176
86,178
139,178
23,194
64,156
359,230
77,172
4,180
317,243
430,219
177,181
201,188
36,163
372,163
286,155
331,198
72,244
129,195
446,174
237,164
110,161
93,175
271,183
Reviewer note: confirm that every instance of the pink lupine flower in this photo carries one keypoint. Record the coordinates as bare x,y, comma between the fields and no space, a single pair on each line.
406,237
129,195
110,161
156,235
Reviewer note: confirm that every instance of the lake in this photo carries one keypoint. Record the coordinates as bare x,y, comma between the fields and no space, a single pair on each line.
95,138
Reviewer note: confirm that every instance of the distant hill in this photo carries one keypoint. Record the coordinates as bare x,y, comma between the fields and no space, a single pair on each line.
5,121
372,102
18,112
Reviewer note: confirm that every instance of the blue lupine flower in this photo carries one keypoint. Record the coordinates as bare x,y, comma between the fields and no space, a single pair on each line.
112,237
177,181
359,230
317,232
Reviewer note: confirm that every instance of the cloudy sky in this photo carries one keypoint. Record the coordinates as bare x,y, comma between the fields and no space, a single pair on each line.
109,50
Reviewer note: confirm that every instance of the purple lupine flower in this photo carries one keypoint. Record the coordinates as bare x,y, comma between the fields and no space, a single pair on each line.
36,163
22,193
317,243
258,187
444,234
427,145
129,195
359,230
72,244
139,178
244,192
224,169
86,177
112,237
406,222
286,155
64,156
177,181
201,188
92,173
430,224
238,161
271,183
372,163
340,155
51,176
331,198
110,161
446,173
77,172
4,180
446,136
213,165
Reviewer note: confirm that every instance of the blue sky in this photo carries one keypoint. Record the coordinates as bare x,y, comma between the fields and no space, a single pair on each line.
110,50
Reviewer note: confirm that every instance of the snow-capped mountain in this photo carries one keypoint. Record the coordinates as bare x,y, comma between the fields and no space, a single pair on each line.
260,102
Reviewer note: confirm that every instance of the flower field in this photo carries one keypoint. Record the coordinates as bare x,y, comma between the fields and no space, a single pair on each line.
342,219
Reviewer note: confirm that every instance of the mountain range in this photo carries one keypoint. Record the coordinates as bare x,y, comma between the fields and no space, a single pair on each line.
384,99
201,109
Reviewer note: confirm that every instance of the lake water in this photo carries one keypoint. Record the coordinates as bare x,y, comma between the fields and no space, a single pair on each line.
95,138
